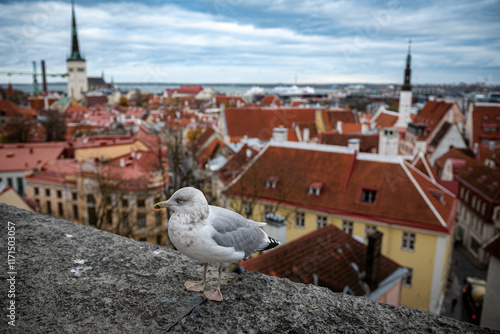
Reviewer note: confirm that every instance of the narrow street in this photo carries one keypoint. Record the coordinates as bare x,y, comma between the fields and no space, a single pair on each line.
465,267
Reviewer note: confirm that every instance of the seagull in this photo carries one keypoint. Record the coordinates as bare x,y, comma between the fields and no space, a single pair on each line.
211,234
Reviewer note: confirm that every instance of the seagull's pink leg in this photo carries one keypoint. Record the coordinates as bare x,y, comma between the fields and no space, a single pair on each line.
198,286
215,295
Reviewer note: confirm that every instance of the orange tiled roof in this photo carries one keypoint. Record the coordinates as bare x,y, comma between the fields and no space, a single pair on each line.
259,122
229,100
423,165
344,174
385,120
342,115
28,156
234,165
327,252
9,108
368,143
351,128
432,113
270,100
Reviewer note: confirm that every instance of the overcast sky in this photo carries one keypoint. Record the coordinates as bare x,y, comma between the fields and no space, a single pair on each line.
257,41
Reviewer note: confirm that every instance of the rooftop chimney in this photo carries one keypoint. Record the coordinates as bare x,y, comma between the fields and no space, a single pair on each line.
353,143
280,134
306,135
339,127
373,259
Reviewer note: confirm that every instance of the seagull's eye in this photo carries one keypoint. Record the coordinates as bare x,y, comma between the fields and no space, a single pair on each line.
179,200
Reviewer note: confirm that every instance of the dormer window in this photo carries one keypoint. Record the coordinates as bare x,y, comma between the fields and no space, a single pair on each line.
438,194
368,195
272,182
315,188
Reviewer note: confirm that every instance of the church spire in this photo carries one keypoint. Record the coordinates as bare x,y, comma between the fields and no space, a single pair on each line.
407,84
75,49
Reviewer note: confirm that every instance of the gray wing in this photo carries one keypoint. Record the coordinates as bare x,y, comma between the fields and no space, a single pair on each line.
233,230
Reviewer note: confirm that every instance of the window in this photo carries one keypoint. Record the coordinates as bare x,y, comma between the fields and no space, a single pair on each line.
141,220
347,226
369,229
300,220
475,245
368,196
47,192
74,196
141,203
59,194
109,217
124,203
20,186
158,218
49,208
321,221
75,212
408,242
90,199
473,201
462,192
247,209
60,210
315,188
125,220
109,201
267,210
36,191
467,195
408,278
272,182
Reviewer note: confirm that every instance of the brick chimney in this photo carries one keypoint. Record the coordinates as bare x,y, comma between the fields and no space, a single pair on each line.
373,250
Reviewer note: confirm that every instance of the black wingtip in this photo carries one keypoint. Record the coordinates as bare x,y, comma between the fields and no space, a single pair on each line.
272,244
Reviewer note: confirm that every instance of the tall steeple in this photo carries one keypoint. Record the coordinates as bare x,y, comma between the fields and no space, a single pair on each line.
76,64
75,49
407,84
405,95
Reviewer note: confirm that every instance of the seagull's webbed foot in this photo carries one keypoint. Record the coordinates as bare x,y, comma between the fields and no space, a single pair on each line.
214,295
197,286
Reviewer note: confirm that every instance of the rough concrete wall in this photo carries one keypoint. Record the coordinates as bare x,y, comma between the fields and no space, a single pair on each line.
125,286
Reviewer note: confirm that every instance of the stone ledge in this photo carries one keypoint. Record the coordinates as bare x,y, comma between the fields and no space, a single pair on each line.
125,286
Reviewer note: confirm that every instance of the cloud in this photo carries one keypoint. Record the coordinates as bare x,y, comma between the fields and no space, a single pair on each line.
257,40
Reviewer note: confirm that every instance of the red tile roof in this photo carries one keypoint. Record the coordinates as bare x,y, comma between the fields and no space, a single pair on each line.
229,101
344,175
432,113
56,171
270,100
234,165
27,156
348,128
489,152
480,177
385,120
185,89
368,143
9,108
453,153
342,115
485,119
259,122
328,253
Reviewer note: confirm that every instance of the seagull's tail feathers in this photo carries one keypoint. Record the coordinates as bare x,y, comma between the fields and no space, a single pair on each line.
272,244
258,223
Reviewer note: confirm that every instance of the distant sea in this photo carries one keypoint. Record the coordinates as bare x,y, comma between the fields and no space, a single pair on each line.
160,87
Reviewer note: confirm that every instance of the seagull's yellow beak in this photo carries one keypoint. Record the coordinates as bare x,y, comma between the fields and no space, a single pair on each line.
160,205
